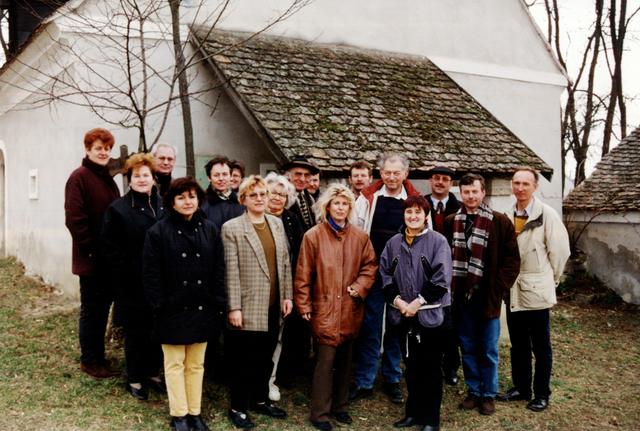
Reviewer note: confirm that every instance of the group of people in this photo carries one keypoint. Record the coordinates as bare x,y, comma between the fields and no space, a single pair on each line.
273,272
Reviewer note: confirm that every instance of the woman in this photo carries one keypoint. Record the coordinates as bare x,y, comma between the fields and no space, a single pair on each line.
183,276
124,228
259,292
336,268
294,338
415,266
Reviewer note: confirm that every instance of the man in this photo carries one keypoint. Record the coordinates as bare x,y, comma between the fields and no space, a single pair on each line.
486,262
379,212
165,156
313,187
544,249
444,203
299,170
89,191
360,176
222,203
237,174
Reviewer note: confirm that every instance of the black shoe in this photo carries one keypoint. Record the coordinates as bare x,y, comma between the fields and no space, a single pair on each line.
269,410
342,417
538,404
240,419
394,392
157,386
405,422
513,394
451,378
140,394
179,423
196,423
322,425
360,393
431,428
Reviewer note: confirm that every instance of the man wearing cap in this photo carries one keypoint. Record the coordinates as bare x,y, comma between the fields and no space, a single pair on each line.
544,249
378,210
443,203
299,170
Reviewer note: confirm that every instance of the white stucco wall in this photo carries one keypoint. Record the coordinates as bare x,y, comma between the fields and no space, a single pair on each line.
489,48
612,246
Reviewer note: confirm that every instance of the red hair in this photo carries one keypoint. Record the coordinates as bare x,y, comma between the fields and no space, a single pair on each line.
98,133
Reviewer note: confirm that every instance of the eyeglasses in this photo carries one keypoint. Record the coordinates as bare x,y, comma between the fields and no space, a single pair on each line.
254,195
281,195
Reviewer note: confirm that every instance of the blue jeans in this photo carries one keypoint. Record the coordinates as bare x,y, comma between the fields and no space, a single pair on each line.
369,340
479,344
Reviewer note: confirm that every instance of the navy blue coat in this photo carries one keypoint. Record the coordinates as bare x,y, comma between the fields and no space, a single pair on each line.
183,278
219,210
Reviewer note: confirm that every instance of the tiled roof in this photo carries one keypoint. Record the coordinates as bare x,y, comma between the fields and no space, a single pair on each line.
340,104
614,186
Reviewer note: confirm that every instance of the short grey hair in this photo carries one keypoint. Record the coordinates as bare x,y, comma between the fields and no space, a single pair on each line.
335,190
273,178
156,147
386,157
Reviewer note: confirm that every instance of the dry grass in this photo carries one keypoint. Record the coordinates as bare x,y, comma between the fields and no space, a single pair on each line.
595,383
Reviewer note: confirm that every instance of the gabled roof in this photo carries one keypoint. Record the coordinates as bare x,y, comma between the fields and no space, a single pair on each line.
614,186
340,104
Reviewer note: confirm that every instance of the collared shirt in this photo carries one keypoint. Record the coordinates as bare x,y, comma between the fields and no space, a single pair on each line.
526,211
435,201
384,192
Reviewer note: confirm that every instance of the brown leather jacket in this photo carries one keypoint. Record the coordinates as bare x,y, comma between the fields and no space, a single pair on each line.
329,262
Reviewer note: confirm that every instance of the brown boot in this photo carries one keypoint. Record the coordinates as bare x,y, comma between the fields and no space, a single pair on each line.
469,403
487,406
98,371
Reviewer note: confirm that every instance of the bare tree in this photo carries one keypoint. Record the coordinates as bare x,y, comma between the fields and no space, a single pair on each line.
118,67
617,31
585,110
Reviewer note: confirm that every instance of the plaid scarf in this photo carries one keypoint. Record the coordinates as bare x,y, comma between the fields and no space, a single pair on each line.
468,254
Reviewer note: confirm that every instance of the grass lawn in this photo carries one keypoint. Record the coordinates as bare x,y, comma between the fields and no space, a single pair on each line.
596,381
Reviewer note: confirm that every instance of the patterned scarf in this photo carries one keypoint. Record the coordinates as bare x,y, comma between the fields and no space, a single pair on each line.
468,254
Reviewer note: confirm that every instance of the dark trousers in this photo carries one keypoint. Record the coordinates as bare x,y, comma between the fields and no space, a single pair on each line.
451,357
330,387
143,355
250,354
423,374
530,331
215,363
296,347
95,301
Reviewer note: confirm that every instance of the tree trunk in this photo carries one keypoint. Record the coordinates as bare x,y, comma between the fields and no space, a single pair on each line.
183,87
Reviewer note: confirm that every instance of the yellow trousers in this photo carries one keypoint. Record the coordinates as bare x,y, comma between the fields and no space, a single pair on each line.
183,374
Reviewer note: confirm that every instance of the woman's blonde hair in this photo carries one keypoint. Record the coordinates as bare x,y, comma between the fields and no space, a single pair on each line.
250,183
335,190
281,180
139,160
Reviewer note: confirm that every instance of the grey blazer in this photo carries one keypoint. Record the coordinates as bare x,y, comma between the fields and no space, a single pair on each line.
247,273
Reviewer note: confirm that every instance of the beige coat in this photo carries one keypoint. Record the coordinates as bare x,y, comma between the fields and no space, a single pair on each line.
544,251
247,273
